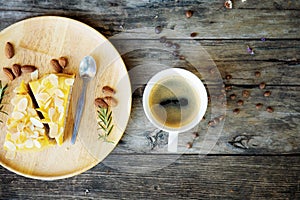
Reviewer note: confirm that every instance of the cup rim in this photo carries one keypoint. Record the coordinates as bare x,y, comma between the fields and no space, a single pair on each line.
193,80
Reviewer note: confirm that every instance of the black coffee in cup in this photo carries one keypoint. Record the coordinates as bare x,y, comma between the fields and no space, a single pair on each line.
174,102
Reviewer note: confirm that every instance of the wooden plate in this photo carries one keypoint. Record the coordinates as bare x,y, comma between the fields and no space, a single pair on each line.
36,42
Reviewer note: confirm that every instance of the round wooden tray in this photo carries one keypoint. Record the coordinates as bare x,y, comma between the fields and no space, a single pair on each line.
36,42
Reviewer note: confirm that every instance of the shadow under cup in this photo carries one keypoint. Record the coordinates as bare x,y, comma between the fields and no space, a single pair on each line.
174,100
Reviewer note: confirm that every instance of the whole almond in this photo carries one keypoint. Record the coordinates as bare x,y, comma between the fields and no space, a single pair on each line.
236,111
270,109
9,50
188,13
55,65
267,93
28,68
259,106
8,73
246,93
16,69
240,102
100,102
63,61
110,101
262,85
108,91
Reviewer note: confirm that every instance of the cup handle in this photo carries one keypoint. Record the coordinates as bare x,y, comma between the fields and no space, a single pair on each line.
173,142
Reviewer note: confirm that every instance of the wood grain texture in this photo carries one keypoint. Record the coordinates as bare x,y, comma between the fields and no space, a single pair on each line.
211,177
250,131
277,60
224,34
258,130
277,19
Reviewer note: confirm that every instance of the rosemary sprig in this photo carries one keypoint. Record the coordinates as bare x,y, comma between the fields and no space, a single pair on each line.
105,123
2,93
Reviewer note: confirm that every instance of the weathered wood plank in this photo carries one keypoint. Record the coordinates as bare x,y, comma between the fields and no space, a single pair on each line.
225,35
211,177
250,131
210,19
277,60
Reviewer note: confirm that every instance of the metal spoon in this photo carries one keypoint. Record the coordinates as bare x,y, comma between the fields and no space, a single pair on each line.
87,71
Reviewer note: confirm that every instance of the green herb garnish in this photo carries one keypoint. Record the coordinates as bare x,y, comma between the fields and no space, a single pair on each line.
105,123
2,93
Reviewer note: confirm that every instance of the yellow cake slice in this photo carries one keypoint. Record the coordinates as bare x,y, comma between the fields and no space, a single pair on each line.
51,93
25,130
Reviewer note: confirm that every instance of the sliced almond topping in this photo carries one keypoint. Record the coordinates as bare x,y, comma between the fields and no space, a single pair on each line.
34,75
42,96
10,146
40,131
61,109
31,127
22,105
14,101
53,79
20,127
59,93
37,144
28,131
36,122
56,116
58,102
69,81
14,137
11,123
31,112
22,90
29,144
35,134
17,115
48,103
51,112
53,130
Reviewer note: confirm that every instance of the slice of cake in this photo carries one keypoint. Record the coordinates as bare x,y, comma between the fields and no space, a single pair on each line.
51,93
25,130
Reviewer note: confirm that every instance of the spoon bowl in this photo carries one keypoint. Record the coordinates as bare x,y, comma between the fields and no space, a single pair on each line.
87,71
87,67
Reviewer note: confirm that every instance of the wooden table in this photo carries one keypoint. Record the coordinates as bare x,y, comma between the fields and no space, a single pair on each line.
256,154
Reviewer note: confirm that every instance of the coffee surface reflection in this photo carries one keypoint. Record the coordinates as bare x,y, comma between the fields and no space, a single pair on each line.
174,102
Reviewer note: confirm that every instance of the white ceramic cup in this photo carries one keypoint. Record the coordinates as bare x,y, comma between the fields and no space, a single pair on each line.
200,92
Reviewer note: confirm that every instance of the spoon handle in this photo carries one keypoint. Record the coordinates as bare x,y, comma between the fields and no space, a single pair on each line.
80,106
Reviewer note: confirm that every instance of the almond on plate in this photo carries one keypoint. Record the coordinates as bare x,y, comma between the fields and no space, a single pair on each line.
9,50
28,68
8,73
